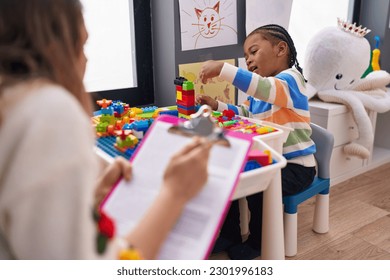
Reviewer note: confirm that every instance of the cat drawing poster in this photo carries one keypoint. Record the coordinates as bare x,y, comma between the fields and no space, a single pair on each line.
207,23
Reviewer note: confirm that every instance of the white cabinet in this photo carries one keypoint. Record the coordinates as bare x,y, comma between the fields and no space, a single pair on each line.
337,119
381,153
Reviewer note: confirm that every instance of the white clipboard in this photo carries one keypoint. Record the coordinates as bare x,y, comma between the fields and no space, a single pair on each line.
194,234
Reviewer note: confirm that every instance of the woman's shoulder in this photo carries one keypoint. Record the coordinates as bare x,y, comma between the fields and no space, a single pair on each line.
41,108
55,97
47,98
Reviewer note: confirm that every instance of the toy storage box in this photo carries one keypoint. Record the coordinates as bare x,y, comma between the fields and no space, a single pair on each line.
258,179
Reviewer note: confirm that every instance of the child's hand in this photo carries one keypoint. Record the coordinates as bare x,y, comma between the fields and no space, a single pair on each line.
209,70
204,99
120,167
186,172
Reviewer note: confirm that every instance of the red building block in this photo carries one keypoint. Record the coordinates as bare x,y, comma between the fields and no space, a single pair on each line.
263,158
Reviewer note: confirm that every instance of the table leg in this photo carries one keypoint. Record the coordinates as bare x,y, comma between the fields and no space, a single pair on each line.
272,246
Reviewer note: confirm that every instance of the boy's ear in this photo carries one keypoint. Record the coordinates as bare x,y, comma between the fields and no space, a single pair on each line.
282,48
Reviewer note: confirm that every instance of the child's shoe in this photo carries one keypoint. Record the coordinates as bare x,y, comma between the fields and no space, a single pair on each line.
243,251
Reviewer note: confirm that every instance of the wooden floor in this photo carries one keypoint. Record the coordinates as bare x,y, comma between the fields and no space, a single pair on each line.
359,221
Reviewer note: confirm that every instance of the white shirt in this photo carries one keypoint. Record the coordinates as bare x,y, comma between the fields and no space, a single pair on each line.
48,173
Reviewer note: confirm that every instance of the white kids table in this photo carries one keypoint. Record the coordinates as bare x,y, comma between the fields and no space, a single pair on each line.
266,179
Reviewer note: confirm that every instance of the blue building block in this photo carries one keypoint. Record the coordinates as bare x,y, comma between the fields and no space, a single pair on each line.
251,164
169,112
149,109
141,125
118,107
127,126
107,111
186,108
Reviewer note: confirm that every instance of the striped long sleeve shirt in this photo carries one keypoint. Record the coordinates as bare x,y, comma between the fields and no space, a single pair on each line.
280,100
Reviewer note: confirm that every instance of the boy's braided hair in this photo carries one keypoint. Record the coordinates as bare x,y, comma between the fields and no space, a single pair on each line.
282,34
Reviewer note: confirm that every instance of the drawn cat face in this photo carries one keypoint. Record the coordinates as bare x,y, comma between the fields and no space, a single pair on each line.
209,21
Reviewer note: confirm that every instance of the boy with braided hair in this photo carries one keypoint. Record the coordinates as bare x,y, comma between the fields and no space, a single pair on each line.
276,93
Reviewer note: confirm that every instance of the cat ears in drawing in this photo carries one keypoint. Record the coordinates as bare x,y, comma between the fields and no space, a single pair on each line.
198,12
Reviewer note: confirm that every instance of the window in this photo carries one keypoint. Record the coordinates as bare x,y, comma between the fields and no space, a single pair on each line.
308,17
119,50
110,48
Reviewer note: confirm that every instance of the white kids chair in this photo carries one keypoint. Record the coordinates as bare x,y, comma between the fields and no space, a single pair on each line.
320,187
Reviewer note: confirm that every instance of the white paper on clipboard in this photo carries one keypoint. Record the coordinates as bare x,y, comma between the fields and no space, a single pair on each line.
194,233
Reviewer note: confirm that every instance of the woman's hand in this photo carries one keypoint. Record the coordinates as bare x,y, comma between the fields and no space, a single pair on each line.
186,172
120,167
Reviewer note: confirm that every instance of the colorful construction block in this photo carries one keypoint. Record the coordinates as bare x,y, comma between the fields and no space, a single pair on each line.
262,157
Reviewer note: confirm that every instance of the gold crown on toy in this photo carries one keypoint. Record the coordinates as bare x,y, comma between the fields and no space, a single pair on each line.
352,28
